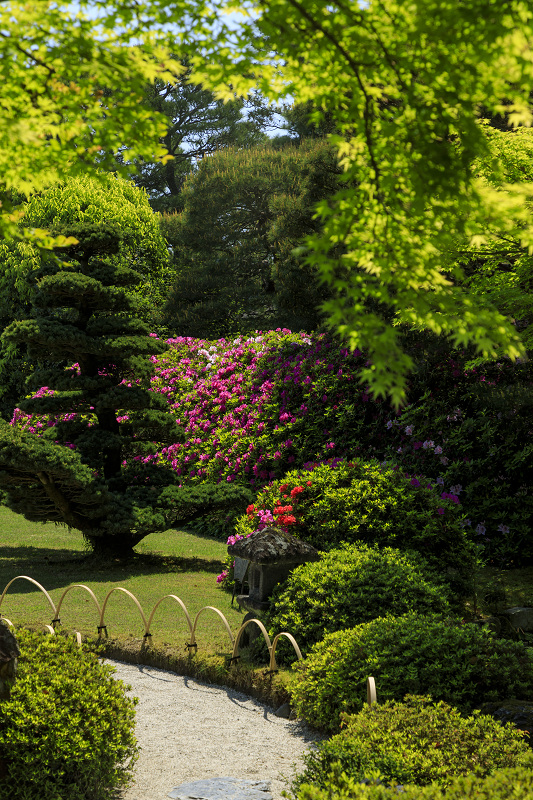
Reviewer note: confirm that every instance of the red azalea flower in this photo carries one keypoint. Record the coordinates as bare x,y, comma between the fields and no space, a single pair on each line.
282,510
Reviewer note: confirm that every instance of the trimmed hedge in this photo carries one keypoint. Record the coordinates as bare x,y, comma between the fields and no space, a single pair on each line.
352,585
67,731
416,742
504,784
462,664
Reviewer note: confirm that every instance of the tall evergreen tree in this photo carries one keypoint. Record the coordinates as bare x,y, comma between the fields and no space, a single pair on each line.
197,125
86,469
245,211
83,199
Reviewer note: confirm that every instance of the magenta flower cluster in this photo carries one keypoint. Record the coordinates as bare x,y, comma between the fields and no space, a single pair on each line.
245,406
243,403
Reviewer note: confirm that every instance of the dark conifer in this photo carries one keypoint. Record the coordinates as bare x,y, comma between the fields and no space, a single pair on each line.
87,471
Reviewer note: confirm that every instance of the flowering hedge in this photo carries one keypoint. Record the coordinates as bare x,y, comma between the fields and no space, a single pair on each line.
255,407
358,501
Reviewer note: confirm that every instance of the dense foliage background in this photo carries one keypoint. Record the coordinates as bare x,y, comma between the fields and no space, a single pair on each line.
394,207
254,408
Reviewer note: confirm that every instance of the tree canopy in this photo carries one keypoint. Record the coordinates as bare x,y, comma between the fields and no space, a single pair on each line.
72,89
245,210
404,84
103,198
198,124
497,266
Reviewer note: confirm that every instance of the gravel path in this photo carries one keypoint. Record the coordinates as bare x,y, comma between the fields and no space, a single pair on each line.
188,730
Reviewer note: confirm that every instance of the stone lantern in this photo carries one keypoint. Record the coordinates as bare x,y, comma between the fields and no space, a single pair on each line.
271,554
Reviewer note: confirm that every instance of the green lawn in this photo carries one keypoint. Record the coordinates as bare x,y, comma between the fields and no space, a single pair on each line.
173,562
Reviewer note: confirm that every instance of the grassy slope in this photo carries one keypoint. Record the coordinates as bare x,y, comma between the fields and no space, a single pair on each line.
168,563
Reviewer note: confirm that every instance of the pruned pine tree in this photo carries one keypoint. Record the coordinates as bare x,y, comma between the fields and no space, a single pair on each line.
86,468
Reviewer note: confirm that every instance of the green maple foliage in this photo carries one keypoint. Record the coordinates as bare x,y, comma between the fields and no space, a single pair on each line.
72,85
403,84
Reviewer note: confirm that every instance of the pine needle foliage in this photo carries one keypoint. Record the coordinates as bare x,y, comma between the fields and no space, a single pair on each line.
87,471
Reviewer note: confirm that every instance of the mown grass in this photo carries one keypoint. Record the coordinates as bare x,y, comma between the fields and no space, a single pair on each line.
173,562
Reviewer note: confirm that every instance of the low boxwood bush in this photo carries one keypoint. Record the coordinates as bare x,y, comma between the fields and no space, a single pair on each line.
462,664
67,731
503,784
415,741
351,585
341,501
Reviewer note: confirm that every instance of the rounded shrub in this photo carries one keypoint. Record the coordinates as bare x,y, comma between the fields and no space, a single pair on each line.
504,784
351,585
418,742
462,664
67,730
342,501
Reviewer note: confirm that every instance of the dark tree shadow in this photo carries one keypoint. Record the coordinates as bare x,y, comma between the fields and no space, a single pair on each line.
59,568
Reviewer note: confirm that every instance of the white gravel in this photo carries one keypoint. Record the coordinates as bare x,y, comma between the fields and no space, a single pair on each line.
188,730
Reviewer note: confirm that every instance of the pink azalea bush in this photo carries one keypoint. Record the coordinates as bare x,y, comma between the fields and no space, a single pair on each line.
251,409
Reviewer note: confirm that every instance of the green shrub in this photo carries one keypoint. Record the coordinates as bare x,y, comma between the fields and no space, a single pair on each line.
366,501
67,731
351,585
462,664
418,742
504,784
478,421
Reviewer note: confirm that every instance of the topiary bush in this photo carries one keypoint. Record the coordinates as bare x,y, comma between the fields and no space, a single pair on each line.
503,784
67,731
415,741
351,585
341,501
462,664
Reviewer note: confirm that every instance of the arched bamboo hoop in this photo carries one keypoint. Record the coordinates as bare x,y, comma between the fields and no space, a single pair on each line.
235,641
5,619
183,607
130,594
78,586
192,643
371,696
273,666
50,630
36,583
235,653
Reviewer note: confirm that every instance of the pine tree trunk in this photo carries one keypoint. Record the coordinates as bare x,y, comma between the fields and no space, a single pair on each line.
112,546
